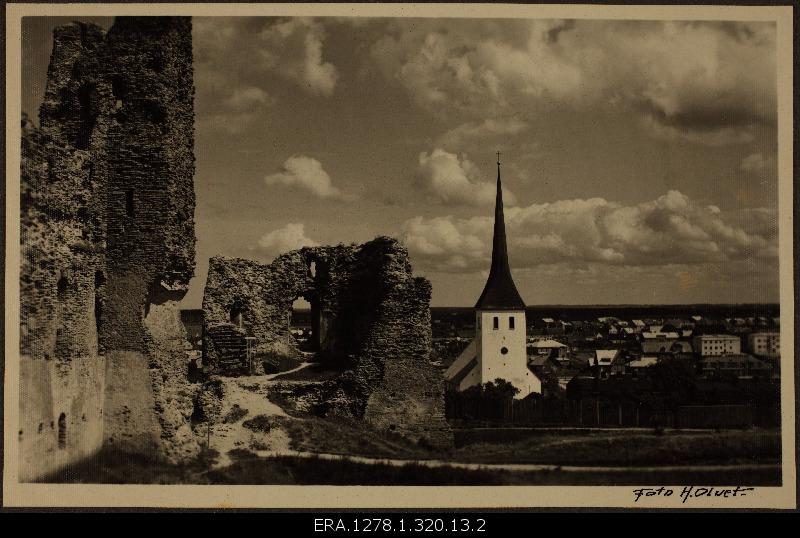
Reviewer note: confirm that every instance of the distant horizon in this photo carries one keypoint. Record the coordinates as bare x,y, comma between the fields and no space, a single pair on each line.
652,305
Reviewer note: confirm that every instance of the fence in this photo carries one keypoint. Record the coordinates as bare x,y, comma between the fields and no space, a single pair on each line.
590,412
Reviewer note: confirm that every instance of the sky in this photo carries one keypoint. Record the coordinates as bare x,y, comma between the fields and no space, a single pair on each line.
639,157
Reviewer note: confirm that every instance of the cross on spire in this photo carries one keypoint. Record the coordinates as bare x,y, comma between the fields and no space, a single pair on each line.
498,158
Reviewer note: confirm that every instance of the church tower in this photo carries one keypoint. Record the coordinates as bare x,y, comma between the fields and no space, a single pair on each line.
499,347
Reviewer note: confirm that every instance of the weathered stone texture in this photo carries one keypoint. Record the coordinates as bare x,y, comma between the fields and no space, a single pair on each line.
371,318
107,223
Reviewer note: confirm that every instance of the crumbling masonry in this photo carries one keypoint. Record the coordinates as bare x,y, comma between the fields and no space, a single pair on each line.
107,229
370,319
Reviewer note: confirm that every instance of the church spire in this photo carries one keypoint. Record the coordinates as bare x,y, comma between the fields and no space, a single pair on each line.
500,293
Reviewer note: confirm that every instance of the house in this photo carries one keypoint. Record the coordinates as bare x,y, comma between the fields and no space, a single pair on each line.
740,365
548,372
548,348
714,345
637,366
658,333
552,326
681,346
610,361
765,344
658,341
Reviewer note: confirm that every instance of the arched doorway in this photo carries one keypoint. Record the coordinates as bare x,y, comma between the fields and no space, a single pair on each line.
62,431
304,323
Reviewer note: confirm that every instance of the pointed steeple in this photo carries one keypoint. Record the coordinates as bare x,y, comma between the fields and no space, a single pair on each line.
500,293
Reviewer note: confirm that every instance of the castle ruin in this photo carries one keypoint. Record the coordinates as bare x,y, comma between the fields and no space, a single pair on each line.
370,319
107,252
107,246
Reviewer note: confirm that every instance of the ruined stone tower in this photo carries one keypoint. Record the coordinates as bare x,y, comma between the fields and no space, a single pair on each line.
108,246
371,319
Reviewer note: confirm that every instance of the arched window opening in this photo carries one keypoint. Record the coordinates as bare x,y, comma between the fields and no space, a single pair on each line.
129,208
119,91
99,280
511,323
154,111
62,285
88,116
496,323
62,431
237,316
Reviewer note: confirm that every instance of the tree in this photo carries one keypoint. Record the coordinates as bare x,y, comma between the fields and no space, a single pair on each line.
675,379
499,389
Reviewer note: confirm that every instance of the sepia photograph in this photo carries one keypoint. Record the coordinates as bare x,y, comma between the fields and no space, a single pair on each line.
444,248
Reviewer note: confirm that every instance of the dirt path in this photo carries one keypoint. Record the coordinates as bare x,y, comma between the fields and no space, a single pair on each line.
248,393
270,377
513,466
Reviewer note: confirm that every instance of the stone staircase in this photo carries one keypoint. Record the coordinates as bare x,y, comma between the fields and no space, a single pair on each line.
230,349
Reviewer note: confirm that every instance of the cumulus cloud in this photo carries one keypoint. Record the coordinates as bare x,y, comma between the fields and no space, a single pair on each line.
306,173
290,237
755,163
235,108
293,49
237,59
455,181
671,229
710,81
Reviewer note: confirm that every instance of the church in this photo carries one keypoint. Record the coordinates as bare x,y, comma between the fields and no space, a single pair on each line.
499,347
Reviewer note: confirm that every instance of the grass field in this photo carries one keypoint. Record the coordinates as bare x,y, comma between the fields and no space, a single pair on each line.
607,448
343,436
626,448
614,447
116,468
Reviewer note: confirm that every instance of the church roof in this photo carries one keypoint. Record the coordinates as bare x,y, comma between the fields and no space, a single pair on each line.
500,293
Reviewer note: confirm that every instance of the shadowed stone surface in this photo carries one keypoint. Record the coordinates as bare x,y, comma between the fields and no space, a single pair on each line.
107,236
370,318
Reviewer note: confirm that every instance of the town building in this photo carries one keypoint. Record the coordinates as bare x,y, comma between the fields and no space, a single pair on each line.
499,349
638,366
738,364
714,345
765,344
548,348
609,361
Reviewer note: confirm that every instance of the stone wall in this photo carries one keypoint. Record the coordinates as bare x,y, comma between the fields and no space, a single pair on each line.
371,320
108,238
